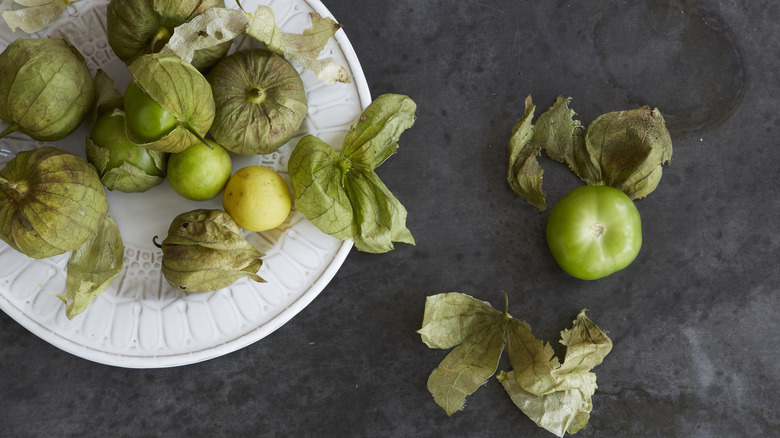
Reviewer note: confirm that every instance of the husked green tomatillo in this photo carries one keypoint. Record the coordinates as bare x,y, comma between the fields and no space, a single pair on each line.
51,202
205,251
46,89
139,27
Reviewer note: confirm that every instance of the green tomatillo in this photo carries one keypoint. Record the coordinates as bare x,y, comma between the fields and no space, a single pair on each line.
122,164
200,172
594,231
145,117
168,104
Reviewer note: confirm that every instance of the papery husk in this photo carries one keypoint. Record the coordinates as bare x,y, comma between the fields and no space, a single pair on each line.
46,89
92,267
34,16
623,149
627,150
125,178
340,193
51,202
206,251
133,26
107,97
182,90
244,127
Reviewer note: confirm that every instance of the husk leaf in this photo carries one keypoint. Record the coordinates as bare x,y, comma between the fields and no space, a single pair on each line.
36,15
555,396
340,193
92,267
624,149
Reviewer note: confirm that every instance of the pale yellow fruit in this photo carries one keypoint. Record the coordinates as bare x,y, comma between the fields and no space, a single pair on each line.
257,198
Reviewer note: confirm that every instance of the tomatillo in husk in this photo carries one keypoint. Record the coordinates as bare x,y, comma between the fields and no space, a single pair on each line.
51,202
205,251
260,101
122,164
139,27
46,89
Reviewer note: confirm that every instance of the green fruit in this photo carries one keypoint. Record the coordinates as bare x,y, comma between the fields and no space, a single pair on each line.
109,133
145,117
594,231
200,173
122,164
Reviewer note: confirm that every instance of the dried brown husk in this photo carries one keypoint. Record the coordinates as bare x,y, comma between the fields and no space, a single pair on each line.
139,27
206,251
51,202
260,101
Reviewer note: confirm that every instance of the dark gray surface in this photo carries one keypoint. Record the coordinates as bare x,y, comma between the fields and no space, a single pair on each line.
693,319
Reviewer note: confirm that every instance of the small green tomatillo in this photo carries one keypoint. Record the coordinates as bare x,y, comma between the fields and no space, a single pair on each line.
594,231
109,132
145,117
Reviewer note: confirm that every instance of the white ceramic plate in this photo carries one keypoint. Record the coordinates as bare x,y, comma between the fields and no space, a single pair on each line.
140,321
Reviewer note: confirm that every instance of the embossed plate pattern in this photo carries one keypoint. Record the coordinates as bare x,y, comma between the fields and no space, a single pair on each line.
140,321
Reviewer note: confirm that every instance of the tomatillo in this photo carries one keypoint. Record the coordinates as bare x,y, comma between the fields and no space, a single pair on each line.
109,133
594,231
200,172
145,117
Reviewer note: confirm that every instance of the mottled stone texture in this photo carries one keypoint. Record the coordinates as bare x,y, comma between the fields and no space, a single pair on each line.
693,319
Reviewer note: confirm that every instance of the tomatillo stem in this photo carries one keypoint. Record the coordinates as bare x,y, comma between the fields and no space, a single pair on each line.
195,133
11,129
255,95
160,39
